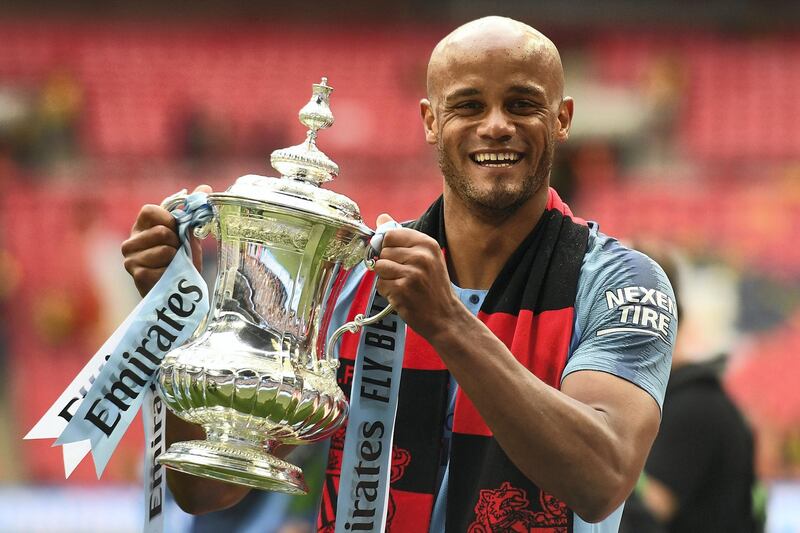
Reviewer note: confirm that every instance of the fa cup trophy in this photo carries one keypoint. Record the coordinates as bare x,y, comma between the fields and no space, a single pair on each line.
260,372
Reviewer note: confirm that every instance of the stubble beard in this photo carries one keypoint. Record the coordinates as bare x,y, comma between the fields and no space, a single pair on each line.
501,201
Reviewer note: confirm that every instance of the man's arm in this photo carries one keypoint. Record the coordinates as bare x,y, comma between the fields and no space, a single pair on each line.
659,500
585,444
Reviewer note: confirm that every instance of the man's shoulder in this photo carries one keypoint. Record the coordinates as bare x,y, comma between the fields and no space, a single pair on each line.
618,284
625,315
608,263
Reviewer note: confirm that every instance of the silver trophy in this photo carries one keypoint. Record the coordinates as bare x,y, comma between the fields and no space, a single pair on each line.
260,373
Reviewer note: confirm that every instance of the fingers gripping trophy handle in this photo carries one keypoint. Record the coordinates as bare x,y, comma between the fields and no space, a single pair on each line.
359,321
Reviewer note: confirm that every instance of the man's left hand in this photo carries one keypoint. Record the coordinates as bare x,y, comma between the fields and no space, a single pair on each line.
412,275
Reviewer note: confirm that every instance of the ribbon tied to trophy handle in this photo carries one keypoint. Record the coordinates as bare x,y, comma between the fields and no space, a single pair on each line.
178,200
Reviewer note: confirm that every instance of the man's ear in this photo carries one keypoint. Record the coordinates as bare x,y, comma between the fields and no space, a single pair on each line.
428,120
565,110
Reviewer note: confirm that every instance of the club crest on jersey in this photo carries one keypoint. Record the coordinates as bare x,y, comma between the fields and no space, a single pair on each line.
508,508
640,310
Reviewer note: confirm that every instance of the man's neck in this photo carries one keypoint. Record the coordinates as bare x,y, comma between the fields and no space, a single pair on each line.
477,249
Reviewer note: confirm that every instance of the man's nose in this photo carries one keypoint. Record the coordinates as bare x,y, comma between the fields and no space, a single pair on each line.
496,126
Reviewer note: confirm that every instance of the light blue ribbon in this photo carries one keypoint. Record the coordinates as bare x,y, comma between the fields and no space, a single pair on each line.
166,318
362,503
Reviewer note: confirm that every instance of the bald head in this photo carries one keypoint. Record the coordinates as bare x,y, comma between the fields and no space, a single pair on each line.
512,38
495,111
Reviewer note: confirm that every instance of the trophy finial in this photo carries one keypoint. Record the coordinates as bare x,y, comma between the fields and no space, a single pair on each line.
305,161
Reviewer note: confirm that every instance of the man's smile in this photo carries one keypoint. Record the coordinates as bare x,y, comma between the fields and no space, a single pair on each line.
496,159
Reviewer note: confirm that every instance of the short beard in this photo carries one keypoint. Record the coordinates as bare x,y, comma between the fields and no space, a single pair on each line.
498,205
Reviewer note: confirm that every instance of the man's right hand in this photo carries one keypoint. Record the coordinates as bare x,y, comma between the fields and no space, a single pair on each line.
152,245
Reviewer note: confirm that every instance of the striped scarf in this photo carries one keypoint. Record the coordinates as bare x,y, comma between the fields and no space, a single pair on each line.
530,308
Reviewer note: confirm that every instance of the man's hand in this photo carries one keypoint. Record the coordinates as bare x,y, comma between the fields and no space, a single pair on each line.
148,251
152,245
412,275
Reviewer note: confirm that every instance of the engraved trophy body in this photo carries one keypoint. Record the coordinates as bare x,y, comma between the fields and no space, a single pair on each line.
259,373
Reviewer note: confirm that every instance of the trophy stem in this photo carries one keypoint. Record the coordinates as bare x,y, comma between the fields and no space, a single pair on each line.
234,460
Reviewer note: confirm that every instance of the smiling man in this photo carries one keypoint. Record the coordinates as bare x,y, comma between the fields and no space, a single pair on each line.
495,59
539,348
556,386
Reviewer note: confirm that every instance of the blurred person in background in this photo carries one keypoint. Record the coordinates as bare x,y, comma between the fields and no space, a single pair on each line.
549,399
14,113
699,476
47,132
59,113
9,281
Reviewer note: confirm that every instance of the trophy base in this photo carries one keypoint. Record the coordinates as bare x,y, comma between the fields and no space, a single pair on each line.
235,463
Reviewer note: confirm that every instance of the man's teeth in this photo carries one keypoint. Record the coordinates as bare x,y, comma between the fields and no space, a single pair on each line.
510,157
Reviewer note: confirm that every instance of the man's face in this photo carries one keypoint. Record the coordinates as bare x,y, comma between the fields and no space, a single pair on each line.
495,118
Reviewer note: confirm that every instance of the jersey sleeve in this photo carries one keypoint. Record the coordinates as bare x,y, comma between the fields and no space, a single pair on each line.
625,318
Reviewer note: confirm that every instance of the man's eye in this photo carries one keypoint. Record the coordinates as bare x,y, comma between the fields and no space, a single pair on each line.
469,106
522,105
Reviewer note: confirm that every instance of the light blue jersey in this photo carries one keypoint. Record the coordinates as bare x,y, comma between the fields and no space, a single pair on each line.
625,324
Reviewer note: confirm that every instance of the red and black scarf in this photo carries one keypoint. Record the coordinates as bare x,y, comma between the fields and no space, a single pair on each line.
530,308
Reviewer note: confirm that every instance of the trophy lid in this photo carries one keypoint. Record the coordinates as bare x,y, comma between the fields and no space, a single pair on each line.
303,168
305,161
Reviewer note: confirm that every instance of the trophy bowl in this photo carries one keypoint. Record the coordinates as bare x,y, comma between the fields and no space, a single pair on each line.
258,374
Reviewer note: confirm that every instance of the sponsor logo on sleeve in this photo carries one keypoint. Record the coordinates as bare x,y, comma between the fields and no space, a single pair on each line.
640,310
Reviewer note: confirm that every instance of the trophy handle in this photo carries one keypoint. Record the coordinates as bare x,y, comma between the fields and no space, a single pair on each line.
359,321
174,200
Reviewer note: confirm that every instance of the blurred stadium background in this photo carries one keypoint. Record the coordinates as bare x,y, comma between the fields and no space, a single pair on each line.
687,132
